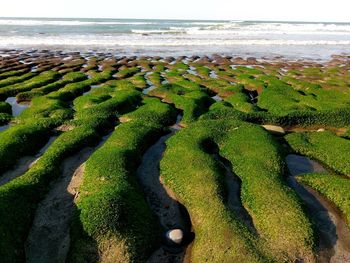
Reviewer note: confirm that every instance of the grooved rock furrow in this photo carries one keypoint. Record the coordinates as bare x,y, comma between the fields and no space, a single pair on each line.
24,164
48,239
234,202
332,230
171,214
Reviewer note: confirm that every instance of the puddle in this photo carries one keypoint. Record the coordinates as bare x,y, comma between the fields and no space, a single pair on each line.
333,233
217,98
192,71
213,74
298,164
4,127
171,214
67,58
147,90
92,87
17,108
234,202
149,83
177,125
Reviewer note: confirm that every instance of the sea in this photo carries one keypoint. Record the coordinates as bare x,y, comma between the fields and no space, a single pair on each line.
261,39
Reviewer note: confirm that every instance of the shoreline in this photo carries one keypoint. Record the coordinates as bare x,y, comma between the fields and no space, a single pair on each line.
216,58
260,52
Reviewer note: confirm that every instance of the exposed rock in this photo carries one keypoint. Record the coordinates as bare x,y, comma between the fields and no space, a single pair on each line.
251,60
65,127
175,235
239,61
274,129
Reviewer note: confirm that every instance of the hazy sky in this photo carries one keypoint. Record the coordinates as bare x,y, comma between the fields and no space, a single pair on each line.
292,10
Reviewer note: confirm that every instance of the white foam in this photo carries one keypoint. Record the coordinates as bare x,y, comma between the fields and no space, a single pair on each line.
139,41
35,22
158,31
240,29
166,37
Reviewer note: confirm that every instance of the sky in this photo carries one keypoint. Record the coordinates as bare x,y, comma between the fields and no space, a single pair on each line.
272,10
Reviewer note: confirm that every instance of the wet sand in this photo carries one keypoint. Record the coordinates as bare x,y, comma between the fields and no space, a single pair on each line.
24,164
170,212
49,236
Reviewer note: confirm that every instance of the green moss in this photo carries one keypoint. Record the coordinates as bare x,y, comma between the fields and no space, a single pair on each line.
203,71
179,66
5,108
125,72
110,181
12,73
280,98
153,111
68,78
27,191
250,82
220,236
155,78
5,118
265,194
138,81
193,103
323,146
334,117
73,90
43,107
240,101
16,79
333,187
104,112
257,159
42,79
21,140
32,186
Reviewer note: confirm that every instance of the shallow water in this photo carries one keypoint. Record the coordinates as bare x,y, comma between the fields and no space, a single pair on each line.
213,74
4,127
298,164
192,71
234,201
217,98
92,87
150,86
17,108
334,235
170,212
49,236
147,90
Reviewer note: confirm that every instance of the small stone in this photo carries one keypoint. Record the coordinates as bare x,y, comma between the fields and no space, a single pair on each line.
274,129
321,130
175,235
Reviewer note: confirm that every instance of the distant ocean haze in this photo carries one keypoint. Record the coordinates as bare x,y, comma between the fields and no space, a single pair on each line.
178,37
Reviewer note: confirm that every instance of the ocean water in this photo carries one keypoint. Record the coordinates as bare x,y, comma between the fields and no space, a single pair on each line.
178,37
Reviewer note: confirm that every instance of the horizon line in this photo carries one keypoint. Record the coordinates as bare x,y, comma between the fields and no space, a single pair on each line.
177,19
